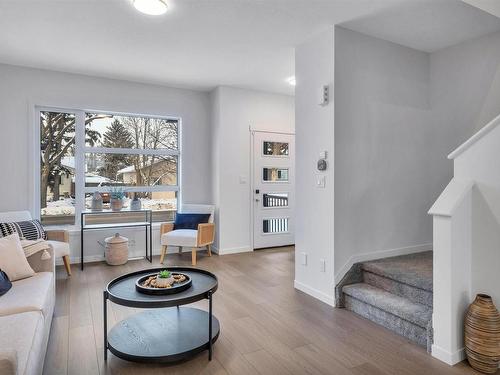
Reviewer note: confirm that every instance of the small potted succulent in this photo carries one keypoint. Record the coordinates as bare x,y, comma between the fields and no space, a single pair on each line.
116,198
164,278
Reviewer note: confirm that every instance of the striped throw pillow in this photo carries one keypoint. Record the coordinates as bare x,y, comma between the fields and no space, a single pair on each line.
31,229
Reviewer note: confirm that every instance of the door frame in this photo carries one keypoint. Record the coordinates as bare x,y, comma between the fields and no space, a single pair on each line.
252,175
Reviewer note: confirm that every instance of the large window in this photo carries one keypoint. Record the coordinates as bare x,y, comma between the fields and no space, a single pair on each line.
84,152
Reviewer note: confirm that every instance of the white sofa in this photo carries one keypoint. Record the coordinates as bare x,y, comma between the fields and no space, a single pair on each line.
25,317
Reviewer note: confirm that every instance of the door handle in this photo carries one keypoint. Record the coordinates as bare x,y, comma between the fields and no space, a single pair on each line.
257,199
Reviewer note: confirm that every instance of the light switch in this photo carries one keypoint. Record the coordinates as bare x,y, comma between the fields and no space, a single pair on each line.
243,179
303,259
321,182
324,95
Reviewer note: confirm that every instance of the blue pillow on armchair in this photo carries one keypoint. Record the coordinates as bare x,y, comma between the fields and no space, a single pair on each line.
190,221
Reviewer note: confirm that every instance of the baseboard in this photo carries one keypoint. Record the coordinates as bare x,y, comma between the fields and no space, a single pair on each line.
378,255
323,297
156,252
234,250
100,258
447,357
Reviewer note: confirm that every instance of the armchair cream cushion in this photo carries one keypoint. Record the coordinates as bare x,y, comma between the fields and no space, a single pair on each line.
180,237
61,249
195,239
12,259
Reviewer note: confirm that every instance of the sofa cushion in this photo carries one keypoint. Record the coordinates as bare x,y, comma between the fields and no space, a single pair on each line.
23,335
60,248
12,259
29,229
180,237
35,293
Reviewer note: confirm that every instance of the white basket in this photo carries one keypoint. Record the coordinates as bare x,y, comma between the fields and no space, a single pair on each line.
116,251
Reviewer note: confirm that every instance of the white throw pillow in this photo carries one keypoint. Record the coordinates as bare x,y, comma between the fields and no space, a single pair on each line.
12,259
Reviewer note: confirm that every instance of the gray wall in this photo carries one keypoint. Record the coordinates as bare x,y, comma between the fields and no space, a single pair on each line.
382,131
314,126
465,92
398,114
22,88
234,112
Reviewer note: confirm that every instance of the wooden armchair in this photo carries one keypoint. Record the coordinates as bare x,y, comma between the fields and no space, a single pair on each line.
195,239
59,241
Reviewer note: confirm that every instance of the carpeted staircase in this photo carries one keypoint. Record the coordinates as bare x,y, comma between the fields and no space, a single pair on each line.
393,292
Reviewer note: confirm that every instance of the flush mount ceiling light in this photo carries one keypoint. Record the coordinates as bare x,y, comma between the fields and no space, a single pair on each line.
291,81
151,7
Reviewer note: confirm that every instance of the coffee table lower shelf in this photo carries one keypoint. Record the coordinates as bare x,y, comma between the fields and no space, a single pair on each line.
165,335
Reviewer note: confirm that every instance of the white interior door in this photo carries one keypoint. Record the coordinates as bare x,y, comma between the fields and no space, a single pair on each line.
273,189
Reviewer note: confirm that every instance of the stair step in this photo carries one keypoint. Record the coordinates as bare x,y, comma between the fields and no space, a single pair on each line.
400,307
412,293
414,270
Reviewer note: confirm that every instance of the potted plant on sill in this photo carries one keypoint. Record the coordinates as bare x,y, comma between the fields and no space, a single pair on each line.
116,198
135,204
164,279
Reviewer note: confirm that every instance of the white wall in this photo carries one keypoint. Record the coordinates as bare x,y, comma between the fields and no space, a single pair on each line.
383,162
398,113
464,94
314,67
235,112
466,239
480,164
22,88
215,165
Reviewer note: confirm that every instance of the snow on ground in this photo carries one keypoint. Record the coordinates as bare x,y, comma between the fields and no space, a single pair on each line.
66,207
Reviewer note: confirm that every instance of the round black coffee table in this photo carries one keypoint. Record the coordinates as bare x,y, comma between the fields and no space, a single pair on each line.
168,335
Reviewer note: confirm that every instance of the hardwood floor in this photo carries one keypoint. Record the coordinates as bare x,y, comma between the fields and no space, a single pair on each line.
267,327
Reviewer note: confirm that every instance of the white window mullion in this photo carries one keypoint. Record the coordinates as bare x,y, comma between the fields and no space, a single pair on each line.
179,163
79,165
35,173
133,189
131,151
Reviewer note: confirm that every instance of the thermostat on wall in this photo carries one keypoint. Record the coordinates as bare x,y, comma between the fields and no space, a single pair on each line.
322,165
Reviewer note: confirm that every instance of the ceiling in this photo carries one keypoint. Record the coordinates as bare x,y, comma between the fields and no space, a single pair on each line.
427,26
200,44
490,6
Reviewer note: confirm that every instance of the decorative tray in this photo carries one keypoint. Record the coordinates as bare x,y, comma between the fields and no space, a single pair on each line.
147,284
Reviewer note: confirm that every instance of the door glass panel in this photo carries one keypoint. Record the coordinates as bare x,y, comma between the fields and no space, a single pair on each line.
275,148
275,200
275,225
275,174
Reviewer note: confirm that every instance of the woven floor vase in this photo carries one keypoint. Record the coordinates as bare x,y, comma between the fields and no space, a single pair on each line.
482,335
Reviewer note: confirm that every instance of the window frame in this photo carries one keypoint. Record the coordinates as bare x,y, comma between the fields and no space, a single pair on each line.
81,149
